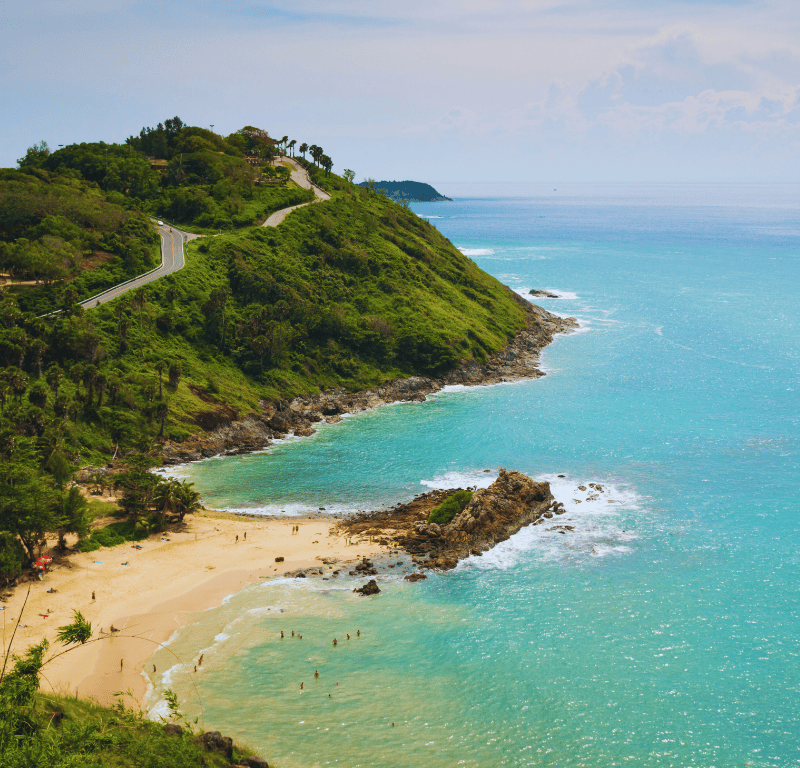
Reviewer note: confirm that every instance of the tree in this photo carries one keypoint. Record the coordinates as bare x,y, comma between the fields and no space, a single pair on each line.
54,376
349,175
72,516
303,148
35,155
159,366
162,410
175,371
18,381
188,500
326,163
138,485
12,555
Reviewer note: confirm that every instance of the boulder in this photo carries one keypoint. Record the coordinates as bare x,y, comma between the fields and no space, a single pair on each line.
370,588
254,762
214,741
173,729
416,577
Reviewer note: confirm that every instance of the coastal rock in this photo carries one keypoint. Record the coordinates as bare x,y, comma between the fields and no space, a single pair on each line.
370,588
173,729
279,559
214,741
545,294
366,568
416,577
254,762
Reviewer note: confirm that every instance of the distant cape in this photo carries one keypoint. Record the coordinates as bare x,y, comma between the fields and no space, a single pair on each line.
413,191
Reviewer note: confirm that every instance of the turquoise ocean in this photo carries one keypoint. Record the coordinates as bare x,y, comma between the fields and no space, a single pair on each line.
664,629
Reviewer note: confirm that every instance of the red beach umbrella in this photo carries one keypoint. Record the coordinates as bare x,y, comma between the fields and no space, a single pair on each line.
39,566
46,559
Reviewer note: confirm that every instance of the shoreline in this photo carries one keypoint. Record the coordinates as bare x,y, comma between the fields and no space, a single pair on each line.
150,593
517,361
194,568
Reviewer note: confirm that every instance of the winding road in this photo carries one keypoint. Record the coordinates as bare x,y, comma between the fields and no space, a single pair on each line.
172,259
173,240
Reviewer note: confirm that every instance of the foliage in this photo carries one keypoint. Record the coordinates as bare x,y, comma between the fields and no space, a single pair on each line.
450,507
112,535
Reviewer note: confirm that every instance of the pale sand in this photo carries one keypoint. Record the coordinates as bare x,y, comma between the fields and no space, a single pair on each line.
164,586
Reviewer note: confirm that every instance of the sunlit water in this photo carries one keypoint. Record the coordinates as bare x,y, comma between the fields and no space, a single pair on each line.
663,630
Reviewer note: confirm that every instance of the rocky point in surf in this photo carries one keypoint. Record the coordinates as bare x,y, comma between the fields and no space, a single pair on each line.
494,514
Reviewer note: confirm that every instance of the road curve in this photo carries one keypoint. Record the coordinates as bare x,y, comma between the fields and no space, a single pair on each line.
172,259
172,240
299,176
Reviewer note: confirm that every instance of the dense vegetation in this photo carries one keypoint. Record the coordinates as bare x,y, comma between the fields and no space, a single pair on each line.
454,504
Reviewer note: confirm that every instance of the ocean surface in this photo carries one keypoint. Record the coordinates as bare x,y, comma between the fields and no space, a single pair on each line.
664,629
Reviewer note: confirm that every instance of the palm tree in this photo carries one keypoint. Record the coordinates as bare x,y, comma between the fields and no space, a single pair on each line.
18,381
189,500
160,366
162,409
53,377
303,148
291,146
167,496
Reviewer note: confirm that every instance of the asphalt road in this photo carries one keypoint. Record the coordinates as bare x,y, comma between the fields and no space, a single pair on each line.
172,260
299,176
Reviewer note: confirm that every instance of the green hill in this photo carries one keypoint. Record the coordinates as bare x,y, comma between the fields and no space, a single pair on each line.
349,293
411,191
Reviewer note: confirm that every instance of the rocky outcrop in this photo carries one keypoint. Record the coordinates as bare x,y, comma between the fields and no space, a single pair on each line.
493,515
370,588
517,360
545,294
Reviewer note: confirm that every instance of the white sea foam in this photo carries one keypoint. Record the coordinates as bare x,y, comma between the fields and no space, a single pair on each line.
524,291
290,509
466,479
600,523
477,251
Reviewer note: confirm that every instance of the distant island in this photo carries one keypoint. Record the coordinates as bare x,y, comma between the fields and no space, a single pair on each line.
413,191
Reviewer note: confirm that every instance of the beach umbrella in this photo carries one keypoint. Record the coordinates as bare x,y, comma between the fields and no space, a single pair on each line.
46,559
39,565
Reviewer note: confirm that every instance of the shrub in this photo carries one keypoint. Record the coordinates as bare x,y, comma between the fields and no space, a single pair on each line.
111,536
450,507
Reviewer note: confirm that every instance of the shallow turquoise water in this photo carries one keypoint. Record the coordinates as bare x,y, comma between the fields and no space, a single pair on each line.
664,629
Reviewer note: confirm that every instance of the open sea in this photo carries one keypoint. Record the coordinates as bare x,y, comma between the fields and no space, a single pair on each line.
664,629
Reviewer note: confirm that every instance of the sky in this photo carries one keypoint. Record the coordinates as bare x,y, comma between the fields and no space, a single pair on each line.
431,90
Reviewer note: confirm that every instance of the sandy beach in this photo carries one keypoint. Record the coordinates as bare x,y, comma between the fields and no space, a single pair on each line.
150,592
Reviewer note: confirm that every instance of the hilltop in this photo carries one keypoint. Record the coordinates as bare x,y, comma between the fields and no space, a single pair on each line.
410,191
